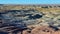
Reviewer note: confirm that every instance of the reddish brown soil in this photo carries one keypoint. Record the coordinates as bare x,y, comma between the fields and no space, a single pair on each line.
41,30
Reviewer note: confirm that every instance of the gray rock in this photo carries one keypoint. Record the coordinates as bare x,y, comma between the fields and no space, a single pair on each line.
16,17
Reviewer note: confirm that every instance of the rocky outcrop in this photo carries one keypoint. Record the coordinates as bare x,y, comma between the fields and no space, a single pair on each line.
40,22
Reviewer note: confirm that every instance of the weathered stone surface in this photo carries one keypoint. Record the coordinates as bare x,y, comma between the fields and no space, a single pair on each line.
44,20
18,16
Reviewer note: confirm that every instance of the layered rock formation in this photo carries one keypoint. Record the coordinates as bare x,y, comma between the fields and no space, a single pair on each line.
30,20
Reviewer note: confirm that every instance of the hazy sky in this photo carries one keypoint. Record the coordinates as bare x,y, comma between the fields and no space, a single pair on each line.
29,1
